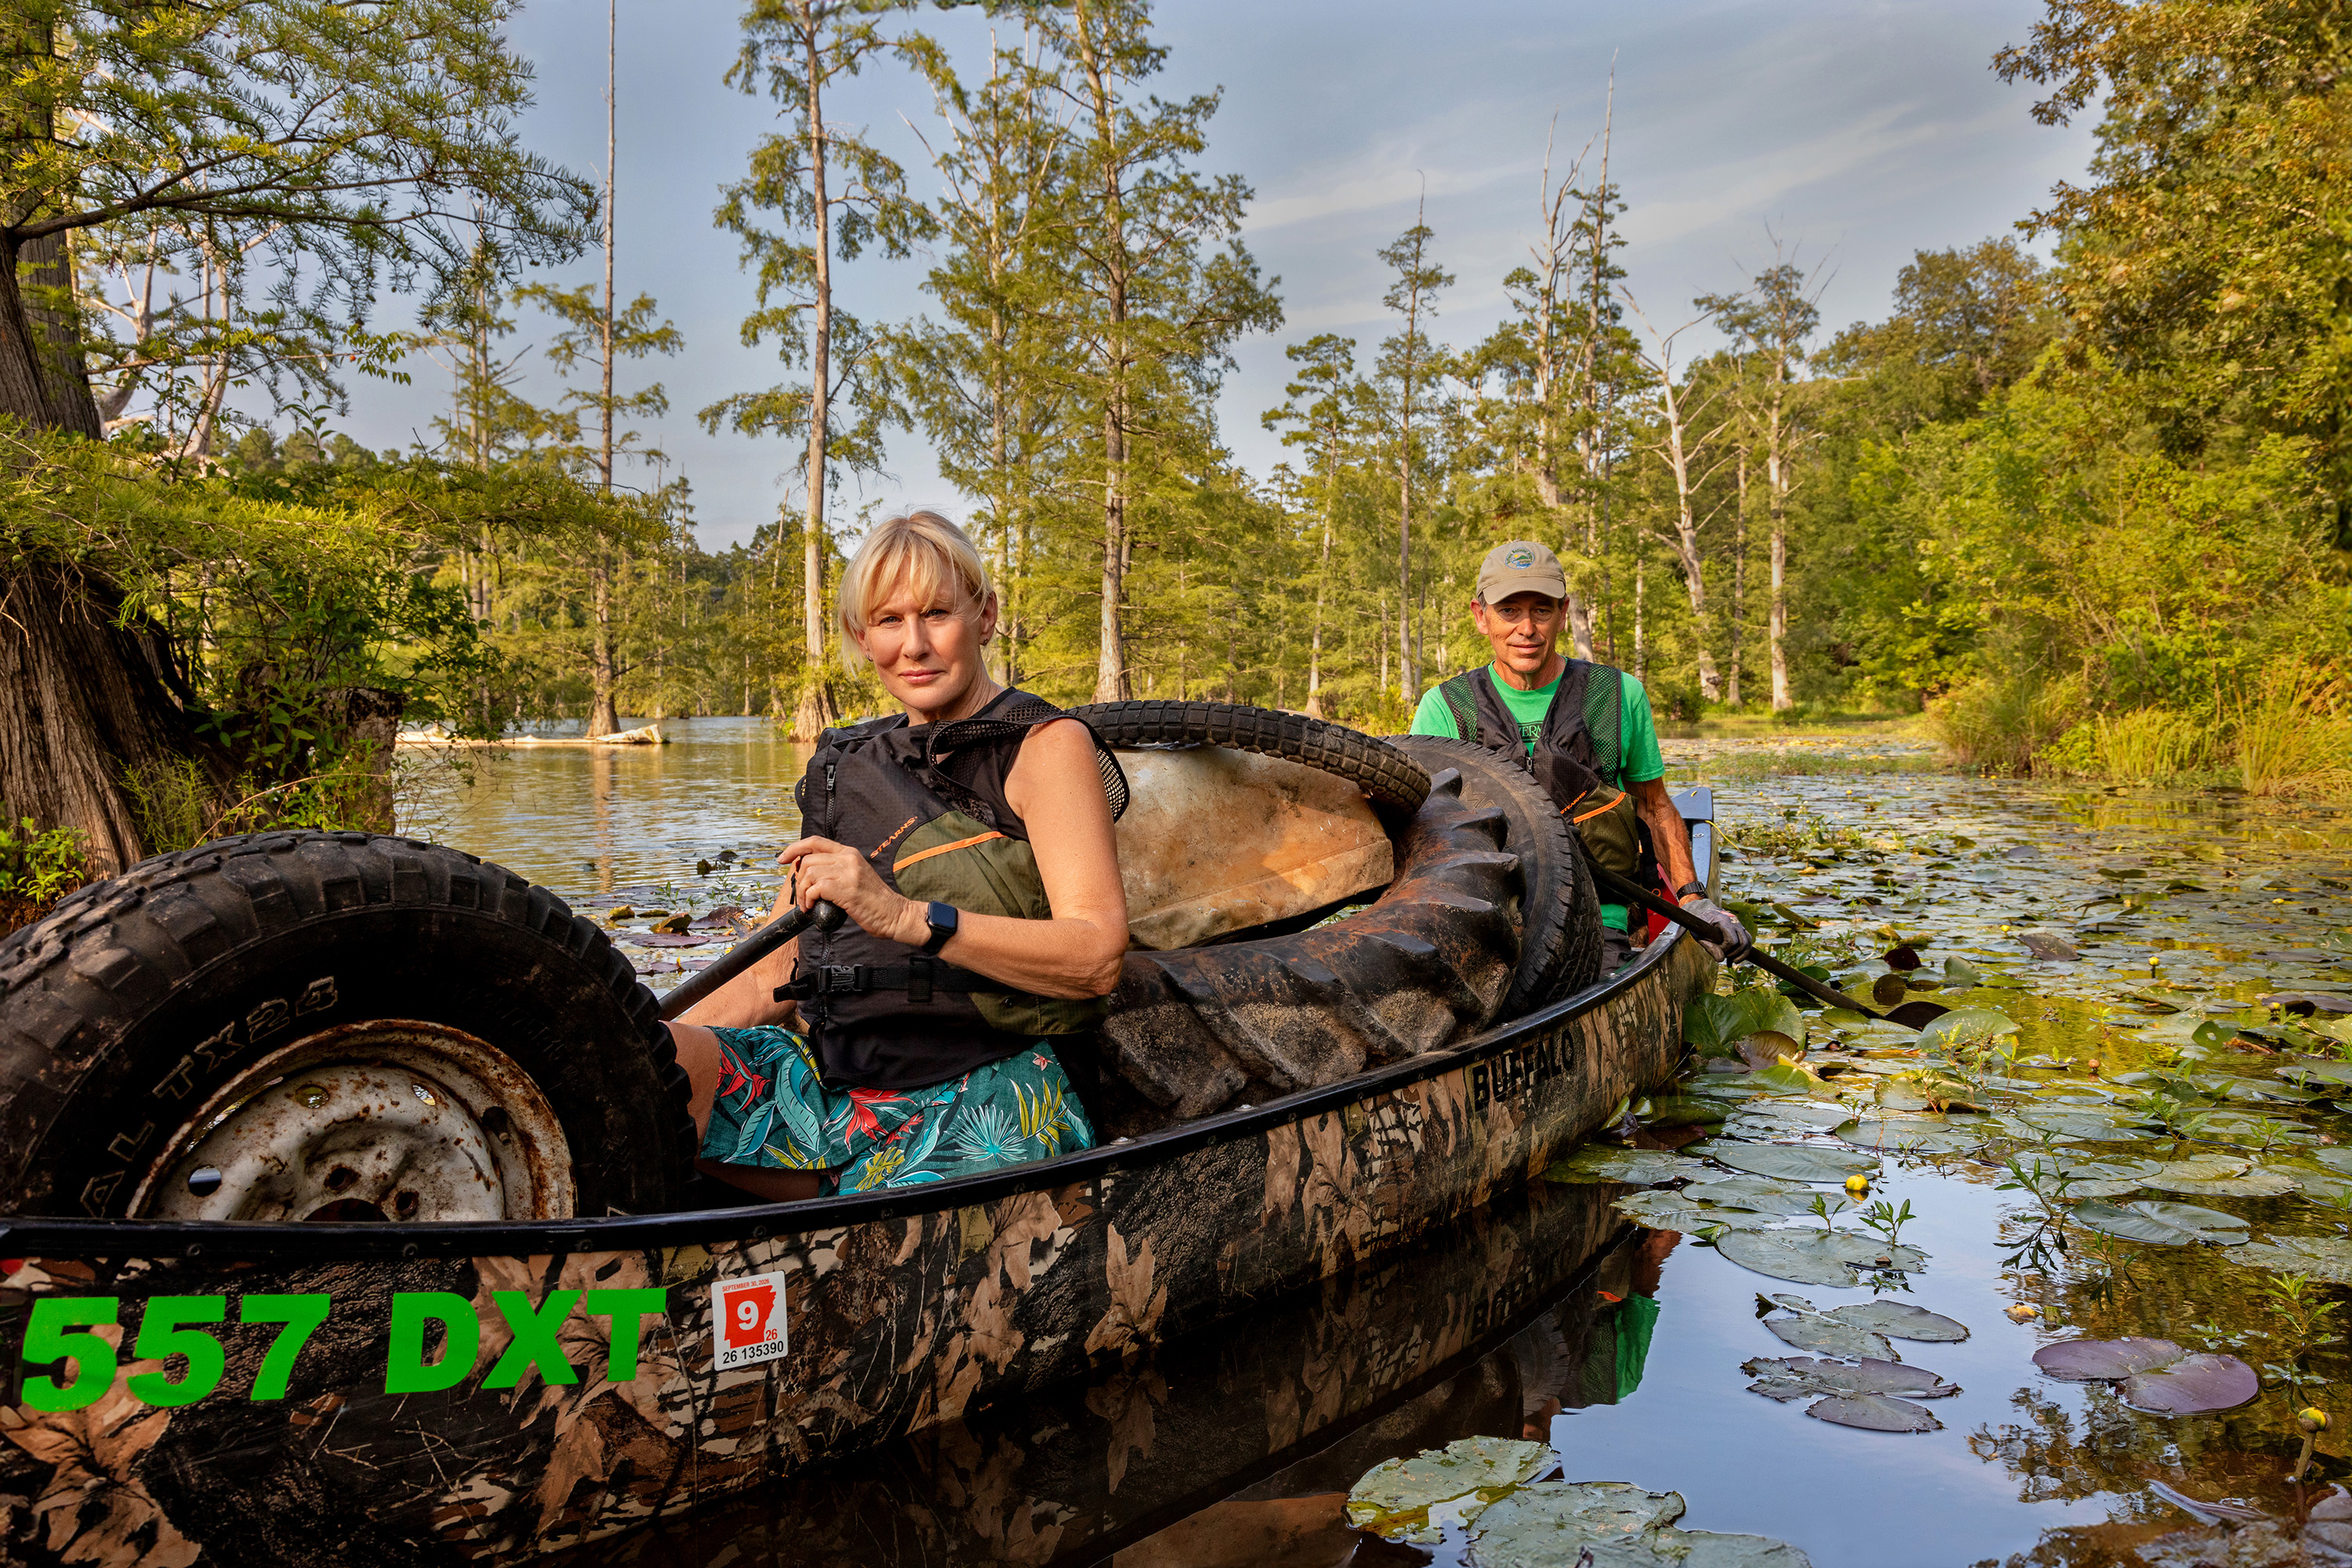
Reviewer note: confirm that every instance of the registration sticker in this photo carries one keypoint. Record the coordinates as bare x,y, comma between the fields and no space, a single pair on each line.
747,1321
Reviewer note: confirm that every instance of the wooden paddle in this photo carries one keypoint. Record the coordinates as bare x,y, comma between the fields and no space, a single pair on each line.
743,955
1911,1014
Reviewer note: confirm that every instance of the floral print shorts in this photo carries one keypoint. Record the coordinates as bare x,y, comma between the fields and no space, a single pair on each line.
773,1109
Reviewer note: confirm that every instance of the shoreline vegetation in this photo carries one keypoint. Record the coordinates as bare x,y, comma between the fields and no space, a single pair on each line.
2077,507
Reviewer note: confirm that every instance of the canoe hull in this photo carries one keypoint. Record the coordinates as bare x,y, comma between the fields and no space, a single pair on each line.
861,1319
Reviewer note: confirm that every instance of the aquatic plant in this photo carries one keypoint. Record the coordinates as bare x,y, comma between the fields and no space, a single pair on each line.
2303,1322
1888,1220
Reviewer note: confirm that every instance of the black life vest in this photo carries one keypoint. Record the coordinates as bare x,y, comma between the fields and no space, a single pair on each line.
1577,753
926,803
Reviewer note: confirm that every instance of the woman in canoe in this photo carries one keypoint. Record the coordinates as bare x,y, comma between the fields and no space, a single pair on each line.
914,1044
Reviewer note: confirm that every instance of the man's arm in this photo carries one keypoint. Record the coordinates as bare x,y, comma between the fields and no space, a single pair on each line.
1669,835
1670,839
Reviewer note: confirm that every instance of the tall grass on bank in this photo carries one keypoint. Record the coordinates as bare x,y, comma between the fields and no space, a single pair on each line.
2146,745
2289,733
2000,727
2292,734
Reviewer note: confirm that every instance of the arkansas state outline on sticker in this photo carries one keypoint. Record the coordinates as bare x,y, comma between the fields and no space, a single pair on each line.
747,1321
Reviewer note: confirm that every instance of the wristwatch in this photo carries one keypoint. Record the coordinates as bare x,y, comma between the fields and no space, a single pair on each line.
1690,889
941,919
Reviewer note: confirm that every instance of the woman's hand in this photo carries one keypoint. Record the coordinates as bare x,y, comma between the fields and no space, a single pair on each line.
824,869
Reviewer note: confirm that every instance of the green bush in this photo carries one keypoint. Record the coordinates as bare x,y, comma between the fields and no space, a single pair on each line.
38,868
1675,702
2000,726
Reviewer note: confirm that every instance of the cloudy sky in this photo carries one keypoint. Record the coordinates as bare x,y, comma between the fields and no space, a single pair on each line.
1857,131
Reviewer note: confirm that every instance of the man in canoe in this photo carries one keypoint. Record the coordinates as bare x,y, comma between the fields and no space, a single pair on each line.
915,1043
1587,734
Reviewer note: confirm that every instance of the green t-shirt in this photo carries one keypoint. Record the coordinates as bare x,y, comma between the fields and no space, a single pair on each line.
1638,760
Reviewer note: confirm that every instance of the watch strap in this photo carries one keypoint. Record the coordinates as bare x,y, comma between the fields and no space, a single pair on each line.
1689,888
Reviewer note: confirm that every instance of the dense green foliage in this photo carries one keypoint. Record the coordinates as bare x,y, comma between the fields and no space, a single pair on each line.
2094,513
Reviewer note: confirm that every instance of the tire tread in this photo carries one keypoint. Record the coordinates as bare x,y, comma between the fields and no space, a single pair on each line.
1383,771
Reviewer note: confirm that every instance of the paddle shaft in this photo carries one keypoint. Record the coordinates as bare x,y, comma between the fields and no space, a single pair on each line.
692,990
1697,927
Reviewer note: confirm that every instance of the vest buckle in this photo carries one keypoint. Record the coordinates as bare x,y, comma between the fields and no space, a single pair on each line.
849,977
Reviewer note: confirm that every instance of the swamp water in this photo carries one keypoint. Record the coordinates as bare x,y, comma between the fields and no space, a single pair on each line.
2116,1135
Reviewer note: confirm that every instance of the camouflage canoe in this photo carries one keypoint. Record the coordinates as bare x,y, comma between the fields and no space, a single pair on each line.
1492,1326
322,1393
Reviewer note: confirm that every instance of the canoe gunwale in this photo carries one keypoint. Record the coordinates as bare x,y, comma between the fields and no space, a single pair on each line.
68,1237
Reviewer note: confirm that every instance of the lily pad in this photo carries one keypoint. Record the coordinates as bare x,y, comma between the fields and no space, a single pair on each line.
1898,1318
2252,1185
1964,1026
1764,1196
1396,1499
1681,1111
2100,1361
1961,975
2193,1385
1715,1023
1768,1048
1815,1257
2328,1257
1553,1523
2156,1375
1921,1136
1826,1335
2163,1223
2101,1178
1788,1161
2049,949
1875,1413
1661,1210
1799,1377
1607,1163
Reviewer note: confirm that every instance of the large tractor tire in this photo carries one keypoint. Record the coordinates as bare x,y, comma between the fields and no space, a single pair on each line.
1385,774
1559,938
331,1027
1425,965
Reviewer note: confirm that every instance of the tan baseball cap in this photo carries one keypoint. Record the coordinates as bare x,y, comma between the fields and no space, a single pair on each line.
1520,566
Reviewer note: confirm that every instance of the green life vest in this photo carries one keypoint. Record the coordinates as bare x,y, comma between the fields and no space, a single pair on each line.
1578,753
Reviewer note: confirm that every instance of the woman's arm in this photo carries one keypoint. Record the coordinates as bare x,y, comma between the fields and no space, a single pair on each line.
1054,784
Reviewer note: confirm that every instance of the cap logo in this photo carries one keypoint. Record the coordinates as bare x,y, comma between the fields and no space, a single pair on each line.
1522,556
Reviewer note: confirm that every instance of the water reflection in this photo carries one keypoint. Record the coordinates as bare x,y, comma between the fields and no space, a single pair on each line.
598,819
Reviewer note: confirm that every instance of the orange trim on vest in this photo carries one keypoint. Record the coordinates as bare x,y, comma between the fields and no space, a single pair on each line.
1596,810
943,849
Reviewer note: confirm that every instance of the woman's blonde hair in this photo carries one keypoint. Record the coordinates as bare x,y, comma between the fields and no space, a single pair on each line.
922,552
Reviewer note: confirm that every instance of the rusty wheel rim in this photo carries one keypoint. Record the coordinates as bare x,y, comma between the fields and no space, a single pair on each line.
389,1119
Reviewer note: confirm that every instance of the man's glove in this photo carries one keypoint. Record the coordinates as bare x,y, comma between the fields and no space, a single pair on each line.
1732,941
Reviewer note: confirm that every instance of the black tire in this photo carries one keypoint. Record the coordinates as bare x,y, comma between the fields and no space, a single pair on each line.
1385,774
1425,964
140,998
1559,940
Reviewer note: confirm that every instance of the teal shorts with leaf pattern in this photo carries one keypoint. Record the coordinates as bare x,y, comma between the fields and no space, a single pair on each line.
773,1109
